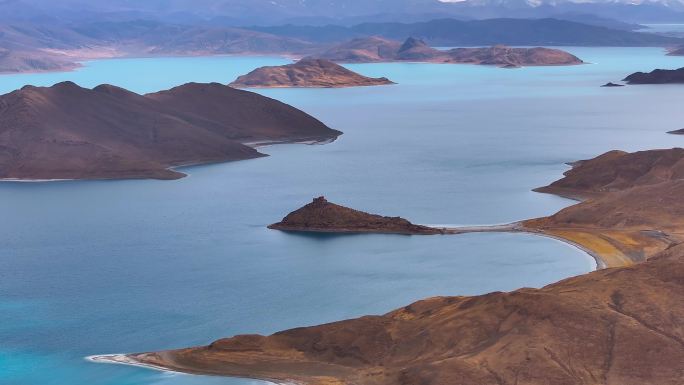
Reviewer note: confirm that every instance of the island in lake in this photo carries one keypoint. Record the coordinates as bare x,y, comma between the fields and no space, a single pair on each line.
306,73
376,49
70,132
658,76
323,216
631,217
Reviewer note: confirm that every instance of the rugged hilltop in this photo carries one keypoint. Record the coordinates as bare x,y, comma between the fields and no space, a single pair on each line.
323,216
632,204
69,132
618,170
309,73
614,327
658,76
376,49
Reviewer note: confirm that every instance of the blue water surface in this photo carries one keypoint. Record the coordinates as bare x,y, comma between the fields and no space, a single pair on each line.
94,267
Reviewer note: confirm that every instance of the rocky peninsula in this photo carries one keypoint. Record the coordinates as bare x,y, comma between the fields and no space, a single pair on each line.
658,76
306,73
375,49
323,216
629,209
70,132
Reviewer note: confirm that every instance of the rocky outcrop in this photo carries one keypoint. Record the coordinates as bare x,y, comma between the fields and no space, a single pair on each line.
306,73
69,132
323,216
658,76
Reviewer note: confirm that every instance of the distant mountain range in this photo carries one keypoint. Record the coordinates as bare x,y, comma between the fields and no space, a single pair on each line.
45,46
452,32
317,12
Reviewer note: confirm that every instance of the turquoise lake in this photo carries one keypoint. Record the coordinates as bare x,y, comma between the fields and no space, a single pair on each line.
96,267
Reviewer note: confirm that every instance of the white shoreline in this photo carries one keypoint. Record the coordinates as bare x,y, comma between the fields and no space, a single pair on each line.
125,359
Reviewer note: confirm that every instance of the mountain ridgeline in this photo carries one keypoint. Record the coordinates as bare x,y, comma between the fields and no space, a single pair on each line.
28,46
453,32
346,12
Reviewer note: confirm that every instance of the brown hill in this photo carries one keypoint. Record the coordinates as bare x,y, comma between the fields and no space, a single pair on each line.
619,170
632,209
245,116
381,50
618,326
651,207
308,72
69,132
323,216
417,50
506,56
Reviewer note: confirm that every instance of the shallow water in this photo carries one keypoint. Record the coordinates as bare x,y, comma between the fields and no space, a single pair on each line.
123,266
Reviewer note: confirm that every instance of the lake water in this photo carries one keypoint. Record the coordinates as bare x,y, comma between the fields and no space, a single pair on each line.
125,266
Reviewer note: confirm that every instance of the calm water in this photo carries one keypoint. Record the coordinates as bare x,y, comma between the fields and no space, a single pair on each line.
123,266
